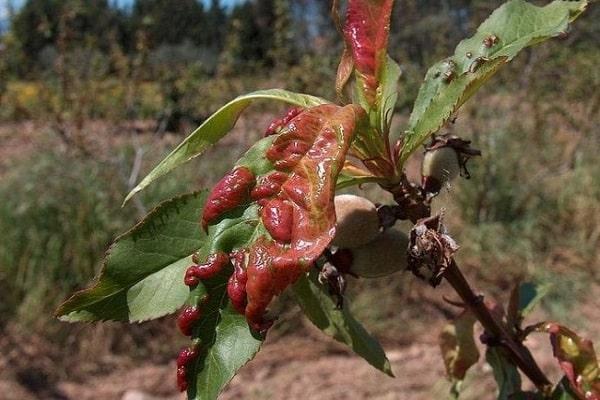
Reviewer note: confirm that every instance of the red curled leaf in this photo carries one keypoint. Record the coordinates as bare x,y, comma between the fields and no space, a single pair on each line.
577,359
268,185
366,31
295,204
312,149
279,123
230,192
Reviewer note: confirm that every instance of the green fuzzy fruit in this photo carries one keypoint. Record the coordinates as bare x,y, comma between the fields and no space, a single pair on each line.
357,221
440,165
383,256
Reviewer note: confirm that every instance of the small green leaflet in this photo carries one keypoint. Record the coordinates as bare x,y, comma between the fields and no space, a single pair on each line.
505,373
320,309
451,82
142,276
523,299
387,94
216,126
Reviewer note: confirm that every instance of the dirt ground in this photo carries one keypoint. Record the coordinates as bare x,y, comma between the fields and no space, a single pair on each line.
294,367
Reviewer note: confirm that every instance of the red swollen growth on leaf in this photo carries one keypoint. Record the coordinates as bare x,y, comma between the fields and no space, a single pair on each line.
310,150
296,206
229,193
213,265
236,287
268,185
279,123
187,319
186,356
278,216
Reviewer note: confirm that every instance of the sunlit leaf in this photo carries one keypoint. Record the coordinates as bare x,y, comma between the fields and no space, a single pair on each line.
577,358
387,95
366,31
458,347
216,126
449,83
226,341
320,309
295,171
142,276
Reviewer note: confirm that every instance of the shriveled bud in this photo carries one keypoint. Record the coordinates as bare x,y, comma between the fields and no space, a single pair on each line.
357,221
383,256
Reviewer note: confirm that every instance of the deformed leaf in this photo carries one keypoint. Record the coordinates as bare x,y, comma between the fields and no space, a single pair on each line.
273,215
451,82
142,276
366,31
216,126
346,65
458,347
577,358
320,309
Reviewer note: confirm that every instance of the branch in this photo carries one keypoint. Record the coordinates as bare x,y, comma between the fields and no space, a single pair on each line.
431,257
517,352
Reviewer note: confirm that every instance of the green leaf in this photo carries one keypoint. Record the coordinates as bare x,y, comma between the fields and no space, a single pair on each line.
345,181
530,294
142,276
388,94
321,310
451,82
227,342
215,127
233,346
505,373
523,299
458,347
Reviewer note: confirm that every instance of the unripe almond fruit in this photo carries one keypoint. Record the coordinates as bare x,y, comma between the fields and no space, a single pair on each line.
357,221
440,165
383,256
